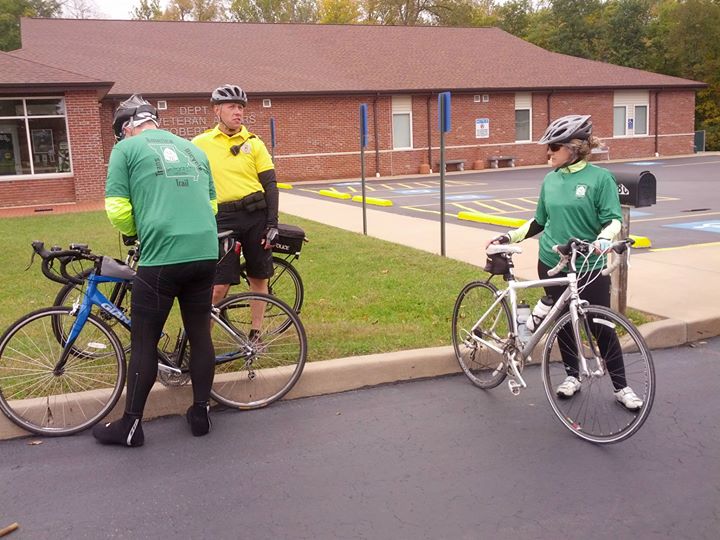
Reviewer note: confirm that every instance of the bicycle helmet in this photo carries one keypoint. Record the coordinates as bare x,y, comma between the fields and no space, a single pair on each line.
132,112
229,93
566,128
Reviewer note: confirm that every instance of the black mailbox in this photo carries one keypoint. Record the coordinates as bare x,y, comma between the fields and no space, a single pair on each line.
636,190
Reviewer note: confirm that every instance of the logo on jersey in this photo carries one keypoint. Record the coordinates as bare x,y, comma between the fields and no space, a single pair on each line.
170,155
580,191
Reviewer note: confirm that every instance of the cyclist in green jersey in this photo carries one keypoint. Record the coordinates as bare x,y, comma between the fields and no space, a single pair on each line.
578,200
159,188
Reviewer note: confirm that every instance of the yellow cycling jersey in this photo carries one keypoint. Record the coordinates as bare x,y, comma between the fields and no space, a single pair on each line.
235,162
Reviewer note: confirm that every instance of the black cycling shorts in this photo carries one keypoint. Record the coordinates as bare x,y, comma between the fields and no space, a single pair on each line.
248,230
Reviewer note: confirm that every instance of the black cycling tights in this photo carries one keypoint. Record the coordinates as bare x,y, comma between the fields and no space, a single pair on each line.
153,292
596,292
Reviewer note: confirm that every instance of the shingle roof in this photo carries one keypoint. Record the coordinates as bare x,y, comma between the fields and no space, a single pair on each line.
17,72
188,58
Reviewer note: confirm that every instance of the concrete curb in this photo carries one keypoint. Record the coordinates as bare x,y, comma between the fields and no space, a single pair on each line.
344,374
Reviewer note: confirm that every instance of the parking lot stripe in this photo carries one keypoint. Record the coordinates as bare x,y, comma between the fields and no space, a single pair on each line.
689,246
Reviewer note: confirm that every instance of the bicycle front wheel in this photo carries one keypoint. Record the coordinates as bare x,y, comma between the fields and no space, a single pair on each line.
43,398
480,334
285,283
593,413
254,371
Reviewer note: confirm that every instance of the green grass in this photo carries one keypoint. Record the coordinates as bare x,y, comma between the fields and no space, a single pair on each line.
362,295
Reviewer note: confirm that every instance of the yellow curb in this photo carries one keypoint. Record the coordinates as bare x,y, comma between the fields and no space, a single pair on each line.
492,220
283,186
641,241
334,194
371,200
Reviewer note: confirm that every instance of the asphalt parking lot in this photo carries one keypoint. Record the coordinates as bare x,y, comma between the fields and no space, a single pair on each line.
687,210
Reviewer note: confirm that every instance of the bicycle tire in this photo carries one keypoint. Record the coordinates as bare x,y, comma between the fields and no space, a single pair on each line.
250,374
285,283
70,293
39,401
593,413
484,367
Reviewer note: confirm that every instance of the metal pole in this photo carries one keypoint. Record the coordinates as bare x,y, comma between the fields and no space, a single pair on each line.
444,117
363,144
272,139
619,278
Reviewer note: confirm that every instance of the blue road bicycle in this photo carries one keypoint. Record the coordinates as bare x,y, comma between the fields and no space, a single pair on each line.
62,369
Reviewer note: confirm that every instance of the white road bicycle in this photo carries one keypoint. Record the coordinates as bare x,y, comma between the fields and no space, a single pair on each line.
488,347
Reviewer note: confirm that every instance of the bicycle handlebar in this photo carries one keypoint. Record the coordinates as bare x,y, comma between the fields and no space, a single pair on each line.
65,256
575,246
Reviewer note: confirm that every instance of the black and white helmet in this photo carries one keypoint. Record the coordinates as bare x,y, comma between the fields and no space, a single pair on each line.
132,112
566,128
229,93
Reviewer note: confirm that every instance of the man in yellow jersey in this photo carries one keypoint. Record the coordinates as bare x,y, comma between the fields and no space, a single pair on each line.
247,194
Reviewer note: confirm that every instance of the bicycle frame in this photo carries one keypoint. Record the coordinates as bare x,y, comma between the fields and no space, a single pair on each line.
570,298
93,297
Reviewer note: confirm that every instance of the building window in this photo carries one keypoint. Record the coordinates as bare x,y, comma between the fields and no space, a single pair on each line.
619,119
33,137
402,122
641,117
631,113
523,116
522,124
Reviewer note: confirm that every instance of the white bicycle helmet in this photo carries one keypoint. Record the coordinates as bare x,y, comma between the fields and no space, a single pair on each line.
132,112
229,93
566,128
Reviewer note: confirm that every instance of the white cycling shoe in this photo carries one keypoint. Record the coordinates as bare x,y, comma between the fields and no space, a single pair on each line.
629,399
568,387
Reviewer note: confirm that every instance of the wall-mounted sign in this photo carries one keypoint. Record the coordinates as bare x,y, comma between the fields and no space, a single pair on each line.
482,128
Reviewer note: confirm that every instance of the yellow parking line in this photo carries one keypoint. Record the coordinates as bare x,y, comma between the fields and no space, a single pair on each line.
387,187
421,184
405,186
525,199
463,207
689,215
502,201
708,244
498,210
420,209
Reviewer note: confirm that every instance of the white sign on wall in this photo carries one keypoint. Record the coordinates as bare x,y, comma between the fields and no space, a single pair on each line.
482,128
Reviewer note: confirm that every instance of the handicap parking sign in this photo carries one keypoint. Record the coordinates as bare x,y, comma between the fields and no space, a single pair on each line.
706,226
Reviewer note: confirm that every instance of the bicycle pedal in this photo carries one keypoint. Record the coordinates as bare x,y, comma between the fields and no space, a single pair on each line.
514,387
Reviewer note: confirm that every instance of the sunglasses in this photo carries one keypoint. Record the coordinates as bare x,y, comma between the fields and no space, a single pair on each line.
554,147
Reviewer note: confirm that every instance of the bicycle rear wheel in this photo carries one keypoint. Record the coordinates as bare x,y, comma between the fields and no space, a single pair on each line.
593,413
253,373
479,345
46,401
285,283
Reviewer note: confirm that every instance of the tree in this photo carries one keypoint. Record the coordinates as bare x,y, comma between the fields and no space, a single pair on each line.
338,11
194,10
12,10
79,9
147,10
624,34
274,11
515,17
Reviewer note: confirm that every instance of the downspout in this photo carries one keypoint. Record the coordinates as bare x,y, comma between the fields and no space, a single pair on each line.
429,132
657,140
375,130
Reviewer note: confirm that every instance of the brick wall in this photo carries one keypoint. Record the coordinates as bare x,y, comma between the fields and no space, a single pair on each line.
86,145
318,137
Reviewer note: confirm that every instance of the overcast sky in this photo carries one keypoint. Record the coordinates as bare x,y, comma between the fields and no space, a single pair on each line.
116,9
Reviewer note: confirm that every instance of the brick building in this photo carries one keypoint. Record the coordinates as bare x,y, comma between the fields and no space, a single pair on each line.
58,93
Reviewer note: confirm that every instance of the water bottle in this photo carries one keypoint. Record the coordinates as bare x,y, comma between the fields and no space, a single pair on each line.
523,314
541,309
